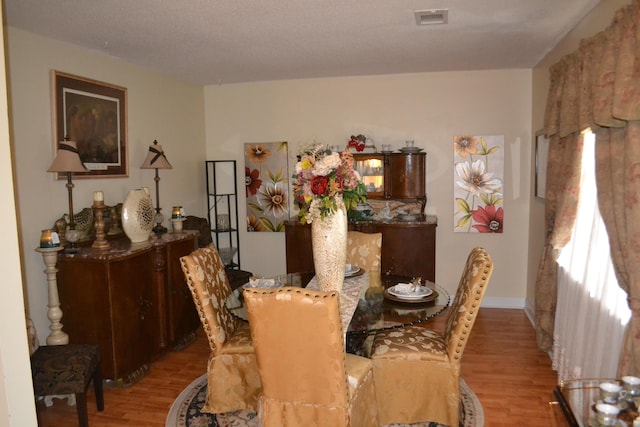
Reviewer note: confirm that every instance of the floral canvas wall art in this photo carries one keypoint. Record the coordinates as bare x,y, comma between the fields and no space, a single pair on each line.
267,185
478,175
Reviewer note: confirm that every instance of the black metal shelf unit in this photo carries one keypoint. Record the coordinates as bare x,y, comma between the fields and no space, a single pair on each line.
222,209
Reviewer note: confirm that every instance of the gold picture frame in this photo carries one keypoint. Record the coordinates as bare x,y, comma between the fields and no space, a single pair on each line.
94,114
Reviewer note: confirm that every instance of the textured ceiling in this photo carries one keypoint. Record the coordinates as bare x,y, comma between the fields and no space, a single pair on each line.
229,41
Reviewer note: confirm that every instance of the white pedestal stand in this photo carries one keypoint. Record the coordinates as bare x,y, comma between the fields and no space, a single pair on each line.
50,257
57,336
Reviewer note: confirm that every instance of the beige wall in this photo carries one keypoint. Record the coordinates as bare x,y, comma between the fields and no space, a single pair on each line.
596,21
429,108
16,392
159,108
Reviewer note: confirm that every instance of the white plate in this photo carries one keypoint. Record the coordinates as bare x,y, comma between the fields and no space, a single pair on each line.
351,270
409,217
410,149
400,291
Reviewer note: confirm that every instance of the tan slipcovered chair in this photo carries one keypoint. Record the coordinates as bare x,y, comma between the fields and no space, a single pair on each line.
233,380
308,378
364,250
417,370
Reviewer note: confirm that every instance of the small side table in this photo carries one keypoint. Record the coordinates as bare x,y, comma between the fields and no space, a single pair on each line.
50,257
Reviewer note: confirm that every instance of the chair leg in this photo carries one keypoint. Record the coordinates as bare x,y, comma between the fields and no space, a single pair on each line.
97,387
81,405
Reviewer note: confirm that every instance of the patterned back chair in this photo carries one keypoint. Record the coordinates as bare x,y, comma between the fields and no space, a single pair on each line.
308,378
417,371
233,380
364,250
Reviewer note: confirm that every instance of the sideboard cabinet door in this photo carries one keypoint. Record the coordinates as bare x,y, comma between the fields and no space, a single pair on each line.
111,304
408,249
183,320
131,301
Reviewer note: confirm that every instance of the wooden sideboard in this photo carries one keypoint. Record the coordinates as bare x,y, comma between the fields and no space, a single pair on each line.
408,248
131,300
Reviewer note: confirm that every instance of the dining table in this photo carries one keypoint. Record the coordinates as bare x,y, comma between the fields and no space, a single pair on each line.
368,303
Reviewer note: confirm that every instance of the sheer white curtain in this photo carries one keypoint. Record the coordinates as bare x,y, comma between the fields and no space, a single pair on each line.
592,311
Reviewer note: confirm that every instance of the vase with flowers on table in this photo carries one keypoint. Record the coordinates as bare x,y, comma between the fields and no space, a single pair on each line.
325,186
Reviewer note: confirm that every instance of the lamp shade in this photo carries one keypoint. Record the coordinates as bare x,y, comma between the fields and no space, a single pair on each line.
67,158
156,158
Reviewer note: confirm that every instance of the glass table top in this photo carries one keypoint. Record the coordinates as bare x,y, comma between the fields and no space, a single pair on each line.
577,399
376,309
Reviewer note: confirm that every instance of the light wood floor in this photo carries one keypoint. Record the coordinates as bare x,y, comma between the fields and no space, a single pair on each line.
501,364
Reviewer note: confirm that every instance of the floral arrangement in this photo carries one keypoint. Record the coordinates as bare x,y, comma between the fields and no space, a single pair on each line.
323,177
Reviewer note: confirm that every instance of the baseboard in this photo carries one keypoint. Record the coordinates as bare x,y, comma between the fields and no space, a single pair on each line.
530,311
492,302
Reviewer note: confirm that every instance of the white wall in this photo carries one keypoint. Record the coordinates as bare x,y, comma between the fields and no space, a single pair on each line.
158,108
17,407
430,108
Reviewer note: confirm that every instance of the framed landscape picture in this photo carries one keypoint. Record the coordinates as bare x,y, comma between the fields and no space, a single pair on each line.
94,114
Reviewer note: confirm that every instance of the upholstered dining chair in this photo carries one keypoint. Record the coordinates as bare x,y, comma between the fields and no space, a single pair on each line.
416,370
308,378
233,379
364,250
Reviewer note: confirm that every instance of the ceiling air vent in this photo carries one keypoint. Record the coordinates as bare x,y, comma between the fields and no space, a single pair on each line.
433,16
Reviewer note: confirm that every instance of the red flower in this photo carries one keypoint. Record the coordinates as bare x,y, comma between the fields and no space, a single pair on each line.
489,219
251,181
319,185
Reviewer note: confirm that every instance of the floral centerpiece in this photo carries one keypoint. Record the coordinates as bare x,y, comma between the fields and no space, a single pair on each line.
323,177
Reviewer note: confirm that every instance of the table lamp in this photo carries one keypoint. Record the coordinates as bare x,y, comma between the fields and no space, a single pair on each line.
68,161
157,160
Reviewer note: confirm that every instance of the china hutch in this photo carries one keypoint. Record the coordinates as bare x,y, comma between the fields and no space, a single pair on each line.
408,246
397,176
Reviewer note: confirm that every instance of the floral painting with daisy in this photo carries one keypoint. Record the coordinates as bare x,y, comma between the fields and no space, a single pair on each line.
267,184
478,183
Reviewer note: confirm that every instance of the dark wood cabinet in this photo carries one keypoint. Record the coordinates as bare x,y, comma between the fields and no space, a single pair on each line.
398,176
406,177
182,316
408,248
131,300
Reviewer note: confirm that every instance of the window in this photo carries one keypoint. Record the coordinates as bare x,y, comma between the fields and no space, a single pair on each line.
592,311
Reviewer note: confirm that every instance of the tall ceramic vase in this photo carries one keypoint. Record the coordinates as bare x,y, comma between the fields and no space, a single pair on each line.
329,242
138,215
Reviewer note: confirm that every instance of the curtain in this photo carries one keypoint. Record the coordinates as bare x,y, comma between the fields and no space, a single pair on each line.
598,86
562,192
592,311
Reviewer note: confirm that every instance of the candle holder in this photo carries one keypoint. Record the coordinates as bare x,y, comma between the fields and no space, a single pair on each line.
100,243
177,224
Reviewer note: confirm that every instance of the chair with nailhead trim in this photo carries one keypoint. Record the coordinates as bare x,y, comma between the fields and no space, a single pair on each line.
417,370
232,372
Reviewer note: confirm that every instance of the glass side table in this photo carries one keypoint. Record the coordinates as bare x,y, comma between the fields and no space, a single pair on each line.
576,399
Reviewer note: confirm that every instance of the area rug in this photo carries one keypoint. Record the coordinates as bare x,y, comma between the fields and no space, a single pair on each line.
185,411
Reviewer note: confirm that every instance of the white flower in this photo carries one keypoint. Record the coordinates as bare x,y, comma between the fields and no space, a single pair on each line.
332,160
326,165
475,179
